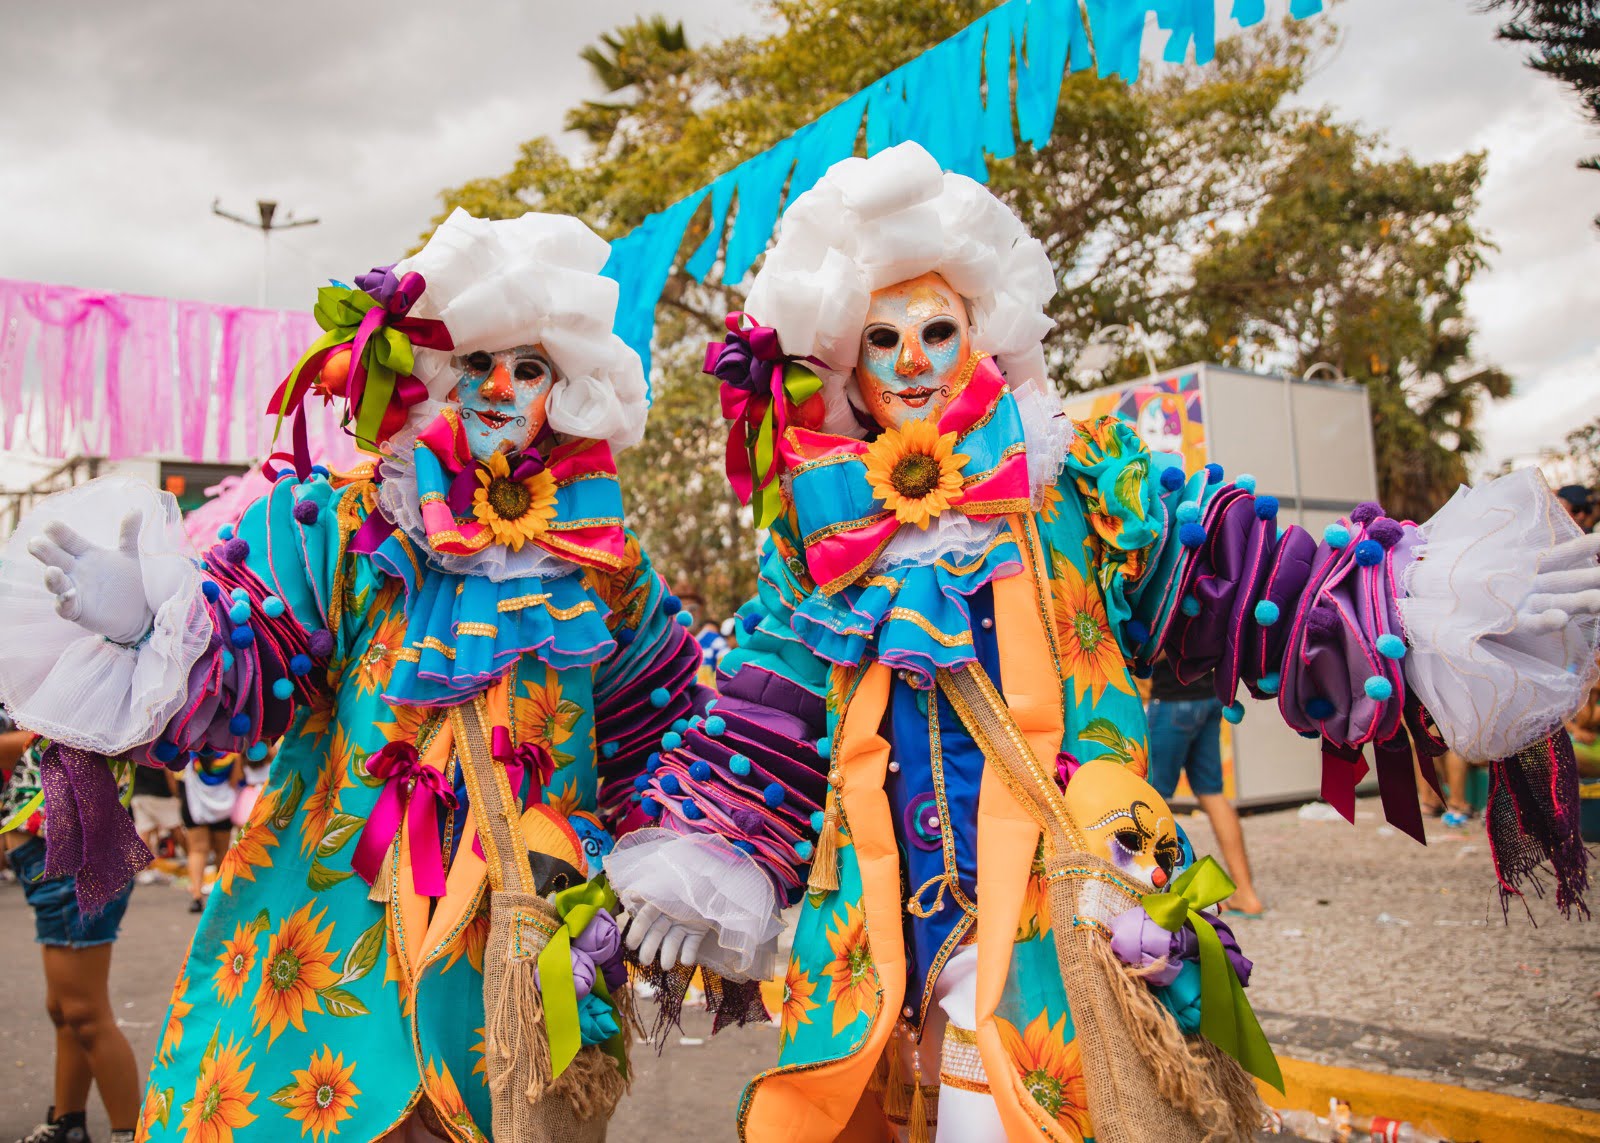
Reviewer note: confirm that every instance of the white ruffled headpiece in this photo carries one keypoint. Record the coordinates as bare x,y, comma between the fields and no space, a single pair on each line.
870,223
497,284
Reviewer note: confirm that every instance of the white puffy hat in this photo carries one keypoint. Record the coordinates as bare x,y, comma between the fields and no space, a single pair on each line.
869,223
497,284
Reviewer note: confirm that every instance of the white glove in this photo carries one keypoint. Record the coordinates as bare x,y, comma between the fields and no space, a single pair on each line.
97,588
651,933
1571,588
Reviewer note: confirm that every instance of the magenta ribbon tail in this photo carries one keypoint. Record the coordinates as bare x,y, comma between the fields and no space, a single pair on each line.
91,836
427,852
378,834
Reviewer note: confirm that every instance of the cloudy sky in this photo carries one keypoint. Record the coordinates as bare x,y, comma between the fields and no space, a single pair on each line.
125,121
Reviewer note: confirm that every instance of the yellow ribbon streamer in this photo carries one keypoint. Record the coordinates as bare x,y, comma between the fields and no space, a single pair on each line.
577,907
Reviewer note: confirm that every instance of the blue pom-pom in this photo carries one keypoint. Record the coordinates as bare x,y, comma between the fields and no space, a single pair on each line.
282,689
165,751
740,765
210,590
1172,478
1266,507
691,811
650,806
1245,482
1336,535
641,783
825,747
711,706
227,659
700,771
681,725
1369,553
1192,535
1143,670
1138,633
744,846
1391,647
671,740
803,850
672,605
239,724
1190,606
671,785
1213,473
1267,613
300,664
241,636
240,612
1188,512
716,726
1269,683
320,470
1378,688
695,722
653,763
660,697
239,594
818,820
225,533
1311,734
625,636
609,749
751,622
284,474
773,795
236,551
257,751
272,607
306,512
1233,712
1319,708
684,619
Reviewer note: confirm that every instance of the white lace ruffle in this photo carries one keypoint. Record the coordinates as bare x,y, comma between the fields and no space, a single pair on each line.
1493,687
701,880
1048,435
66,683
400,499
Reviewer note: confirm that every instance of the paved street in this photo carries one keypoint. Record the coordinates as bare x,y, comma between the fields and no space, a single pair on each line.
1377,954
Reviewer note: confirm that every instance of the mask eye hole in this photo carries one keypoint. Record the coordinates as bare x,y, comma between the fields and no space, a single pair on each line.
479,362
1129,839
940,331
531,369
883,338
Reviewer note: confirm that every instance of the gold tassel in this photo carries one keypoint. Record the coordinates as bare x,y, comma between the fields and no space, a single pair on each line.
383,884
824,876
920,1132
895,1105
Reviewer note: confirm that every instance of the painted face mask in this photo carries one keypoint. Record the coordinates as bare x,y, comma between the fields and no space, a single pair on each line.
914,349
502,397
1125,821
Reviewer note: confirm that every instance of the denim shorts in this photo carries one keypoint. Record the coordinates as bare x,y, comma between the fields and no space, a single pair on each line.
56,919
1186,737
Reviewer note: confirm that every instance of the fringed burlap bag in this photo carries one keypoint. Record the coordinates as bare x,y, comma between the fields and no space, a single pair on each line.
1146,1081
529,1106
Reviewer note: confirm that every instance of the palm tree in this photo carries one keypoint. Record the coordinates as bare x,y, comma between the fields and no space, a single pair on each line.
629,57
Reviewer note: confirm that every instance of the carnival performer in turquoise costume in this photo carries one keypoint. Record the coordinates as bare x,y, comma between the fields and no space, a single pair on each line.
467,660
958,587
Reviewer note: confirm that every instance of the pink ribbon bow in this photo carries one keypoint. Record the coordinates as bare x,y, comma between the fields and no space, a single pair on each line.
529,758
412,794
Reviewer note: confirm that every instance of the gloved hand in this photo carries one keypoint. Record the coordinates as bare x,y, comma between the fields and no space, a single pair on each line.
1569,586
652,933
99,589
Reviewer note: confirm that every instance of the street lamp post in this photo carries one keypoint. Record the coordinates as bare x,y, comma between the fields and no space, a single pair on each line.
268,211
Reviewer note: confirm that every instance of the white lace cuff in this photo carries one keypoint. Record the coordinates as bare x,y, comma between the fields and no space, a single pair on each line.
69,684
1491,685
701,879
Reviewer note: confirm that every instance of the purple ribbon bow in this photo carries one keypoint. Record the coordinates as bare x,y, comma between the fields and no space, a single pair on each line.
412,795
462,489
81,803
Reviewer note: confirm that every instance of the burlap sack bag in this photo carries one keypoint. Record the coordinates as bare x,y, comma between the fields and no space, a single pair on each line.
529,1107
1146,1081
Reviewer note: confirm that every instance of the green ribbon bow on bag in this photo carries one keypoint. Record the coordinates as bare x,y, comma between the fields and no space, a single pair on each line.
577,907
1226,1018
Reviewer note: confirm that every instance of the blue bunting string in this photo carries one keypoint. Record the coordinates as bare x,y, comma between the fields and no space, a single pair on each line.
966,100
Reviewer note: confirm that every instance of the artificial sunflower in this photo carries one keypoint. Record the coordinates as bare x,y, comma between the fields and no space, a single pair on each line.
915,471
515,511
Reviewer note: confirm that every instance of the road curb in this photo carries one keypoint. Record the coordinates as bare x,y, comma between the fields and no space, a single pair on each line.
1457,1113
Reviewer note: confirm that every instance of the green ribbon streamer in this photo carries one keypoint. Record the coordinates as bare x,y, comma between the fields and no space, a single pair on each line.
25,812
1226,1018
800,384
577,906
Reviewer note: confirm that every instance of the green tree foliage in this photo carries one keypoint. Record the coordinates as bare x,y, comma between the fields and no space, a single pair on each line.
1565,38
1203,203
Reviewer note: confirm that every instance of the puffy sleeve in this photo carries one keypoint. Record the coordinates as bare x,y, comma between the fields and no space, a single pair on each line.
735,793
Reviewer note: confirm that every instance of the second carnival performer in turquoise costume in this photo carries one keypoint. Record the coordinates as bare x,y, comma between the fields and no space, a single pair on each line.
467,660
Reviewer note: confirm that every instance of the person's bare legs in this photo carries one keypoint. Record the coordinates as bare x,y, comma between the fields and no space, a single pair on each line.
1455,776
197,840
73,1077
78,980
1230,840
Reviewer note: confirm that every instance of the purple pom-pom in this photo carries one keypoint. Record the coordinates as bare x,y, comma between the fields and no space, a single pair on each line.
236,550
747,821
1386,531
1366,512
1322,620
306,512
321,643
